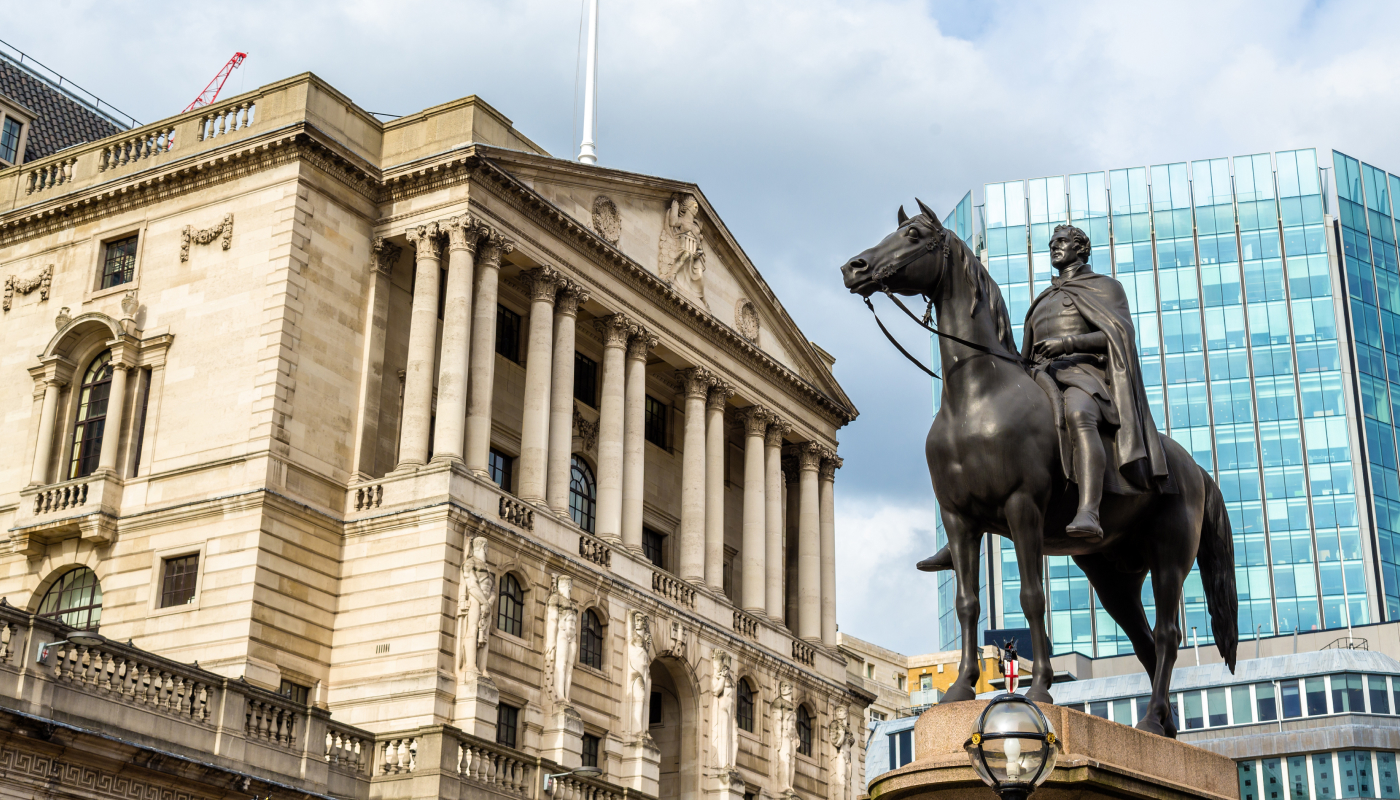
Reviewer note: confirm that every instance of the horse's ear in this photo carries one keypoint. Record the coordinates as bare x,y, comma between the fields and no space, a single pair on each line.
903,217
928,212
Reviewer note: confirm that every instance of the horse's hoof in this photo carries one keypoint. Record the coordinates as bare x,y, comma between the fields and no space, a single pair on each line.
957,693
1039,696
938,562
1150,725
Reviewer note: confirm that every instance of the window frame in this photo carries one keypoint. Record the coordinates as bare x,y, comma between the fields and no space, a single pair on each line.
660,562
587,648
289,689
513,727
516,325
99,256
502,614
507,469
159,557
805,724
654,425
18,157
585,380
744,702
78,443
591,759
57,585
587,508
168,594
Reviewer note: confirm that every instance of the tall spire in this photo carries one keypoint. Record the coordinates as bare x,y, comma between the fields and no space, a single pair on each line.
586,153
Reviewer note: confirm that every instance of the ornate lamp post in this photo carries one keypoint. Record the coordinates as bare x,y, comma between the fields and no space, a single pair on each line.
1014,747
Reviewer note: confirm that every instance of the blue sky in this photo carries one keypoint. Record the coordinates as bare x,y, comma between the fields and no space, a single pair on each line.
807,123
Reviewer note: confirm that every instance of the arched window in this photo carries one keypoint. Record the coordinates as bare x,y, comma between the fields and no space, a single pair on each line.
590,640
510,616
744,708
583,494
92,416
75,600
804,731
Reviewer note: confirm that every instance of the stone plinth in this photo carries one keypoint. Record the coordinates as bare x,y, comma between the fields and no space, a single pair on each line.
1098,758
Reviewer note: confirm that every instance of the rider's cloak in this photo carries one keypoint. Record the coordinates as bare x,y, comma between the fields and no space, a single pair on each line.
1137,451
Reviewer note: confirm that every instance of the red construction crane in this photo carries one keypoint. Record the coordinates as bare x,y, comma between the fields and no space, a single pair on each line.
211,92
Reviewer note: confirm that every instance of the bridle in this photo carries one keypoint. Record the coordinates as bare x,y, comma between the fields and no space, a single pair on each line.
933,245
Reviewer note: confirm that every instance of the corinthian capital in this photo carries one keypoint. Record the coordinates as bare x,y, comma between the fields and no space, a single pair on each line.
571,296
615,330
463,232
642,343
425,239
777,429
809,456
830,463
386,254
695,381
493,247
544,284
720,392
755,419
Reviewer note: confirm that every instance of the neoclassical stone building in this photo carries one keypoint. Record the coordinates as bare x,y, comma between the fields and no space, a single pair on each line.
405,460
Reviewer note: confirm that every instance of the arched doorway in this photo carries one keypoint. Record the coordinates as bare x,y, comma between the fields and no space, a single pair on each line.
674,726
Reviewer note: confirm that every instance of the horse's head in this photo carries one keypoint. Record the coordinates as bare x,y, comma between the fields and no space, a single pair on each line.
897,263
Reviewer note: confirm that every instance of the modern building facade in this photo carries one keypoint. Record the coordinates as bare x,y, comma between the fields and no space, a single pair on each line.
401,459
1264,290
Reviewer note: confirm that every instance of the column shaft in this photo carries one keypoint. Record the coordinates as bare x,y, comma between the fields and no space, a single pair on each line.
561,400
371,388
697,387
615,330
422,346
755,512
112,426
634,439
534,426
714,486
449,433
43,452
808,545
774,566
483,349
827,511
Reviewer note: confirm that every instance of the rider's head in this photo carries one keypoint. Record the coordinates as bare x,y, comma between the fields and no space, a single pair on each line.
1073,245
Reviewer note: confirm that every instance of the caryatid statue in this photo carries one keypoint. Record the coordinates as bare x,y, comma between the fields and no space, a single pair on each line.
682,256
476,595
785,738
561,637
843,741
639,653
724,726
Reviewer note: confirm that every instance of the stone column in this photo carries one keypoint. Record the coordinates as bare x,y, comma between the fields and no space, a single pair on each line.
755,511
116,406
48,415
422,346
774,565
483,363
714,484
696,381
561,397
371,388
634,438
827,512
809,624
448,436
534,425
615,330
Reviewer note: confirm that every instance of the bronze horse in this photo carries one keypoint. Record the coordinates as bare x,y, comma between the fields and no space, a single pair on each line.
994,458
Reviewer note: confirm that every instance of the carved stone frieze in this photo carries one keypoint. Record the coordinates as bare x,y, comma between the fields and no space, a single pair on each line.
386,254
746,319
223,231
587,431
42,281
606,221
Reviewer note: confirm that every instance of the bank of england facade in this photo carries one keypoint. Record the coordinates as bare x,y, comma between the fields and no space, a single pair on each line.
365,459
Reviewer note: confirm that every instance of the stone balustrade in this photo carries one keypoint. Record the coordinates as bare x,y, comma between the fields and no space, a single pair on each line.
745,625
61,496
347,748
489,764
673,589
517,513
148,143
595,550
576,787
803,653
134,677
50,174
398,755
226,119
370,495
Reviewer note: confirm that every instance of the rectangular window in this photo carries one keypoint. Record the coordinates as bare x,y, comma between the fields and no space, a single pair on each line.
1298,777
654,709
1123,712
1347,695
1194,716
1216,714
728,573
507,721
177,580
654,547
1315,690
500,466
1099,708
1143,703
144,376
590,750
925,683
1242,706
1292,700
508,333
119,262
1271,779
870,671
295,692
655,421
877,716
1265,703
1380,698
1385,775
1324,782
1354,770
1248,789
585,380
901,748
9,141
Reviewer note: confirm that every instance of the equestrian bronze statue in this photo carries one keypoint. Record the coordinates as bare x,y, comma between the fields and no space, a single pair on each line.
1054,447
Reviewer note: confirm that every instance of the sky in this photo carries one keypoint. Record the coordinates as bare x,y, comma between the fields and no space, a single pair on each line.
806,123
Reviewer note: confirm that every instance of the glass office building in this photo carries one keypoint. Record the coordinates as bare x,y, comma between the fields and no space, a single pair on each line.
1265,294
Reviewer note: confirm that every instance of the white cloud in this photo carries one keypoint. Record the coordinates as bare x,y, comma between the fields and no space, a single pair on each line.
880,596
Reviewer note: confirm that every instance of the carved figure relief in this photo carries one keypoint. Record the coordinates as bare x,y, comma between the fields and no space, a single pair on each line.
561,638
785,739
843,741
476,596
681,260
205,236
724,735
639,653
606,221
587,431
42,281
678,639
746,319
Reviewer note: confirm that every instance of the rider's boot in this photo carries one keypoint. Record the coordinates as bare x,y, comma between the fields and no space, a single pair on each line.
1088,473
942,560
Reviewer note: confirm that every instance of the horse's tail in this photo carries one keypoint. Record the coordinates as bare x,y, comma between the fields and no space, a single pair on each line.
1216,557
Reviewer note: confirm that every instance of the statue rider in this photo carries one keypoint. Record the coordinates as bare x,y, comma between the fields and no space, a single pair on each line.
1079,342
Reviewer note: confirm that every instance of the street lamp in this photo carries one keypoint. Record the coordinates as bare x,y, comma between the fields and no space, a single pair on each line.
1014,747
80,638
587,772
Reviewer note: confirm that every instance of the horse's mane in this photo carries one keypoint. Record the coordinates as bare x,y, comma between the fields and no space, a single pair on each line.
983,288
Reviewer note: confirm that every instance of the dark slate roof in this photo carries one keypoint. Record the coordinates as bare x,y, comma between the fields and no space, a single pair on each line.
62,122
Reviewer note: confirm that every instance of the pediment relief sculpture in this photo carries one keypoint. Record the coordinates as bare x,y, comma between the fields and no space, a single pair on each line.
746,319
15,283
681,260
606,221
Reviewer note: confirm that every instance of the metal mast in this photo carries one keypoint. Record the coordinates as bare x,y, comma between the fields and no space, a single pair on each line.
211,92
586,153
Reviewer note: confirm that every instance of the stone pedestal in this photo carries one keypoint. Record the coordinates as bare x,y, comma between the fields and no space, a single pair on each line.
563,737
475,713
1098,759
641,766
724,785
